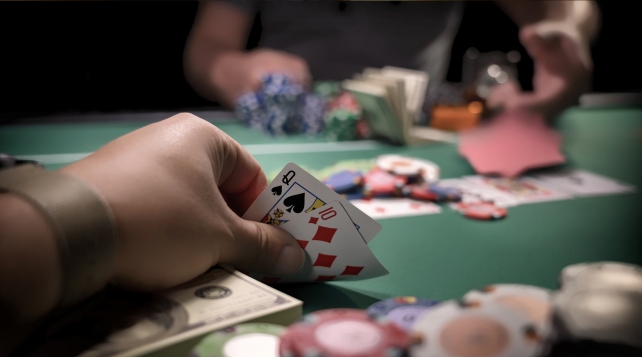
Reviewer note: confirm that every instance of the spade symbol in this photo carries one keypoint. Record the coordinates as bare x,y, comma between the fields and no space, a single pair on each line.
276,191
295,202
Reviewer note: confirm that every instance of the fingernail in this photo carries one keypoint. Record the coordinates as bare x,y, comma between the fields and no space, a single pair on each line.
290,261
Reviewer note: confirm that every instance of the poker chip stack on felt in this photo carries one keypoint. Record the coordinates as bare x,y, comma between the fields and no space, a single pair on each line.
282,107
600,301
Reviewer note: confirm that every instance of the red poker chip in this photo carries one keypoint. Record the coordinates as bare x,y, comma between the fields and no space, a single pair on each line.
482,210
343,333
421,192
381,183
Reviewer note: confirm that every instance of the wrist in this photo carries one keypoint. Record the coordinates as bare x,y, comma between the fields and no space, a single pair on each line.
77,218
31,279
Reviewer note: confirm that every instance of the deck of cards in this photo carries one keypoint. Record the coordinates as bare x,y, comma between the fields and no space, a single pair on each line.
332,231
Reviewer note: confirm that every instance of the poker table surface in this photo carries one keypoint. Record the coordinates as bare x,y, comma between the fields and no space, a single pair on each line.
439,256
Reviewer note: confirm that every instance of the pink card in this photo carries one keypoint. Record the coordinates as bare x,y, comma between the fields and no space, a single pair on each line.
510,144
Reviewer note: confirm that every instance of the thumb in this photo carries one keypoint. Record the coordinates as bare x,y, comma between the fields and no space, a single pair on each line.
264,248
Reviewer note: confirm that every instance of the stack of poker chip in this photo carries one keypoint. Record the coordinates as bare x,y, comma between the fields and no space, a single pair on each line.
601,302
342,117
282,107
393,176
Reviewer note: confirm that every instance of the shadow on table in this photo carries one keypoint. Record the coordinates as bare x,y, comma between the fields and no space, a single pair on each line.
326,296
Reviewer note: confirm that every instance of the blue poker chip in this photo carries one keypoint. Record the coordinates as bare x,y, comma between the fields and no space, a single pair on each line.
355,194
446,193
402,310
344,181
311,114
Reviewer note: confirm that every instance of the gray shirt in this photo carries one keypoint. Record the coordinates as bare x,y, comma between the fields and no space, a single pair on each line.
339,39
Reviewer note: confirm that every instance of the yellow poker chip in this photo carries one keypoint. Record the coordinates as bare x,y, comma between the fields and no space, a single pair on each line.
531,301
491,330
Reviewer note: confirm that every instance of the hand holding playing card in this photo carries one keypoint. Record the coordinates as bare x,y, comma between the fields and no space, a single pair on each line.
176,188
333,247
331,230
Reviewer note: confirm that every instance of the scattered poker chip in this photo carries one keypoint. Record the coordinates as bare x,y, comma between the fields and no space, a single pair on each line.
420,192
344,181
401,310
481,210
533,302
602,304
455,329
343,333
409,166
450,194
251,339
378,183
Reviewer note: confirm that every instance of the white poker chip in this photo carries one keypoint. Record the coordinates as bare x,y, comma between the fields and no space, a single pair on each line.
409,166
602,274
492,330
531,301
600,314
601,302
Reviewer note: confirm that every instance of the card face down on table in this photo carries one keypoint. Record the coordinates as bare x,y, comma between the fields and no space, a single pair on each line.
332,231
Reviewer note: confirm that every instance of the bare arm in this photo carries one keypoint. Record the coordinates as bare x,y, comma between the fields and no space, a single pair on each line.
216,64
218,35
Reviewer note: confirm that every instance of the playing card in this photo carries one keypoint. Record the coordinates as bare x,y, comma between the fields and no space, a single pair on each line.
294,192
520,190
378,208
584,183
334,250
473,192
510,144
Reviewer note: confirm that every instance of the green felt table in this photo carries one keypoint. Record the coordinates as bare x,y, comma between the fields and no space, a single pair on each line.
444,255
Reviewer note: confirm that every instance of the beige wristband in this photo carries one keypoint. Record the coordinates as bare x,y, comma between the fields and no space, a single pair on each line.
82,223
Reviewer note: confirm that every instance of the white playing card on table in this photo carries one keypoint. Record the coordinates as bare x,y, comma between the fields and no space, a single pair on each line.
584,183
334,249
295,192
380,208
520,190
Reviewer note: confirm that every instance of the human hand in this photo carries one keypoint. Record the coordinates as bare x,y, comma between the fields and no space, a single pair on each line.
562,74
176,189
237,73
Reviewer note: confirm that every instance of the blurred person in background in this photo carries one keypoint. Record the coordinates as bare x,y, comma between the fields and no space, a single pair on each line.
334,40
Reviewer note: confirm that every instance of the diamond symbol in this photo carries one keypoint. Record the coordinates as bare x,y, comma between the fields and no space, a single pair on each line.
350,270
324,260
324,234
303,243
325,277
313,220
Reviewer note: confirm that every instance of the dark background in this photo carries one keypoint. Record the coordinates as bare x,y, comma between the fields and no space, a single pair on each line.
82,57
